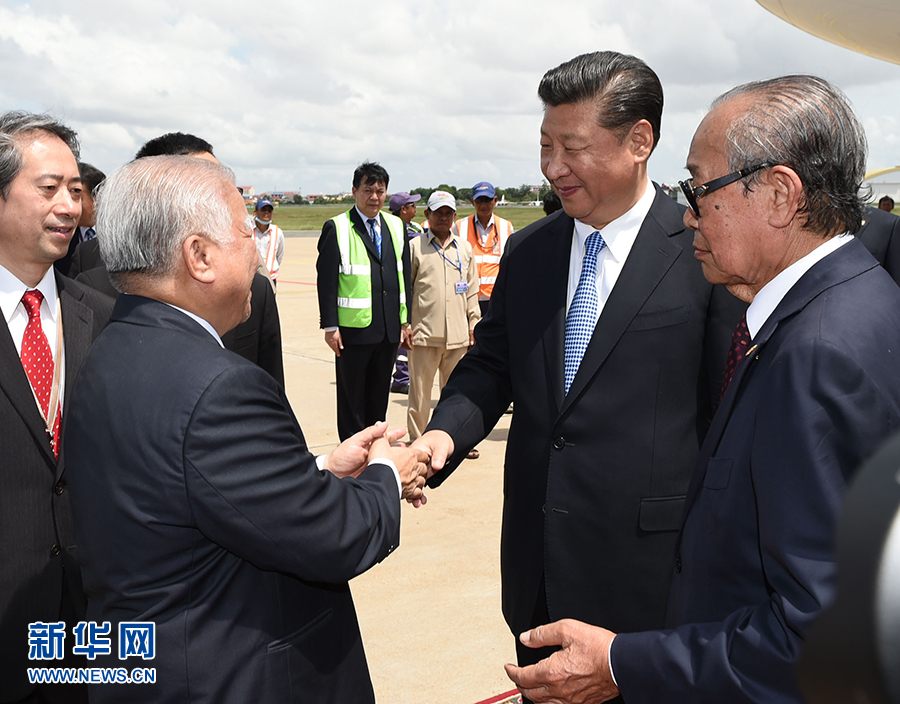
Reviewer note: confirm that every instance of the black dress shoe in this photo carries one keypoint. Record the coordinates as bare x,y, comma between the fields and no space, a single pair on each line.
400,388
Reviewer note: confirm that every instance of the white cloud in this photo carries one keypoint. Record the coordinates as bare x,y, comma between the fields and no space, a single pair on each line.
296,94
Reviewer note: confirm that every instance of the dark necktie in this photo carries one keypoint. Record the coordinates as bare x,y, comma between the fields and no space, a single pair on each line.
37,359
376,236
88,234
582,316
740,343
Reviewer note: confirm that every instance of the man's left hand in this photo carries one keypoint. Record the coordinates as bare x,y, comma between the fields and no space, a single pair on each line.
351,457
406,337
577,674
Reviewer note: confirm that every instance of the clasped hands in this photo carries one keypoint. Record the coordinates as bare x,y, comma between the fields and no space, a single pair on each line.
377,442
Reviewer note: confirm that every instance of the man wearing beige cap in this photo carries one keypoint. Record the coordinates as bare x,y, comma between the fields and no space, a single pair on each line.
444,306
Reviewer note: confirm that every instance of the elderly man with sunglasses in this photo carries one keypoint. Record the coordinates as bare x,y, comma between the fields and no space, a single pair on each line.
812,388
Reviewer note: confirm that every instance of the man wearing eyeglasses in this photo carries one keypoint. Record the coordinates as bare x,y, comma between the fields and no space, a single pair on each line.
812,389
601,331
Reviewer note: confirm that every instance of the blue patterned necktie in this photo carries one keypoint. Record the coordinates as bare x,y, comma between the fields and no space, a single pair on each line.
582,317
375,234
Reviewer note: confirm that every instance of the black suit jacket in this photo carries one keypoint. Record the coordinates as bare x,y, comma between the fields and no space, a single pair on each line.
37,542
880,233
257,339
385,283
594,480
818,394
201,509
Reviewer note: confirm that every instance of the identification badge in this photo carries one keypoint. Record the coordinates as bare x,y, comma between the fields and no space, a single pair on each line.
462,286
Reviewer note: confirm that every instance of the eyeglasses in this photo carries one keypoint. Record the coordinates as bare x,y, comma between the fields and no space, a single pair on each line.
692,193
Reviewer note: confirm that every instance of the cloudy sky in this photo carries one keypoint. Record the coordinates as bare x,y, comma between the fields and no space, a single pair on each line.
296,94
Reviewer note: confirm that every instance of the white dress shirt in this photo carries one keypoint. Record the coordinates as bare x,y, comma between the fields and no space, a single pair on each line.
619,236
16,317
769,296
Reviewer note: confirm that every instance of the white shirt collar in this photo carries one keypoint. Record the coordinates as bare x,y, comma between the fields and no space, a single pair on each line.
769,296
620,234
206,326
12,290
365,218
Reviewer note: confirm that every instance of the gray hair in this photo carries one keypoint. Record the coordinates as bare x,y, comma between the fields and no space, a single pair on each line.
807,124
625,89
149,207
16,123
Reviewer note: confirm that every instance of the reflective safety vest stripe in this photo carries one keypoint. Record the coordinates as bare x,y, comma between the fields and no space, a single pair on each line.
354,299
271,259
487,257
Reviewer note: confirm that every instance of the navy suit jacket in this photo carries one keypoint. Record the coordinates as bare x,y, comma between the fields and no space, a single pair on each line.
257,339
37,539
199,507
818,393
595,479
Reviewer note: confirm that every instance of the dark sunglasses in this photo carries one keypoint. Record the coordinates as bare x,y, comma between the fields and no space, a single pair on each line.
692,193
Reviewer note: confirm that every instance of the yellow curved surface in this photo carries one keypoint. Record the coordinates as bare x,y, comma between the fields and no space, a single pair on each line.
870,27
880,172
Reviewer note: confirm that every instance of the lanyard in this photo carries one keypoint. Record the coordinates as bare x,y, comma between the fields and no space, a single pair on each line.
457,265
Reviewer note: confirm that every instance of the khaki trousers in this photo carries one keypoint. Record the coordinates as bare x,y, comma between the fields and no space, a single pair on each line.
424,362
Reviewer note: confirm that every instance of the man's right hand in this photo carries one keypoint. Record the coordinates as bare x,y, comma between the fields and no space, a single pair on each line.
411,464
439,446
334,341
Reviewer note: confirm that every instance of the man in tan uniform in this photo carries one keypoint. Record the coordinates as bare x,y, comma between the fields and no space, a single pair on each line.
444,306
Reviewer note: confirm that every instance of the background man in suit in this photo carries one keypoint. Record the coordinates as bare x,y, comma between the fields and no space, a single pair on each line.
880,233
91,177
364,249
598,461
814,389
197,503
48,321
258,338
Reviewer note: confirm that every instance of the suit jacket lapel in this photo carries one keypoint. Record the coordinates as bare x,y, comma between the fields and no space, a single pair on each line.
78,325
362,231
850,260
554,269
15,385
650,258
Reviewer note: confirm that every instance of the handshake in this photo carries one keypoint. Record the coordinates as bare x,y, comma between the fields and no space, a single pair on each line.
415,463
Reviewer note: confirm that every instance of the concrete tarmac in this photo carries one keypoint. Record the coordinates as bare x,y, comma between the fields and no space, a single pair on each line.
430,613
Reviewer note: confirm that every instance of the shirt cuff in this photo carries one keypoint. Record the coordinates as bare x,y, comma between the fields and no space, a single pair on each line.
390,463
330,329
609,662
320,464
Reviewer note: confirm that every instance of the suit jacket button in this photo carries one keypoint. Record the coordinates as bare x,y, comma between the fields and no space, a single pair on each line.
54,551
678,565
59,488
559,443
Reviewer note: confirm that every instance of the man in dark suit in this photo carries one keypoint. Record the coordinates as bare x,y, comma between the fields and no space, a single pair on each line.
197,504
50,318
258,338
814,389
598,461
363,281
880,233
91,177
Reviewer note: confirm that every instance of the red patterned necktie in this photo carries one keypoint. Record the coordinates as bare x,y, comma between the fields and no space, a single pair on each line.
37,359
740,342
